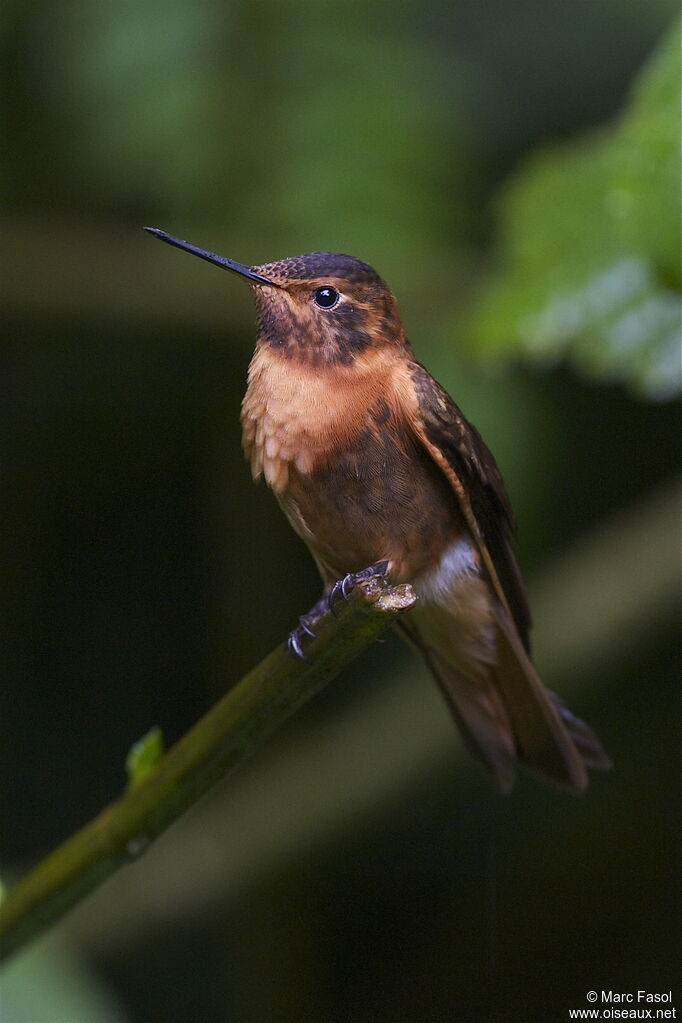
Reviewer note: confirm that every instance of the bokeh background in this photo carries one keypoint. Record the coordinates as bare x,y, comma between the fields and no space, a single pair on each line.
511,169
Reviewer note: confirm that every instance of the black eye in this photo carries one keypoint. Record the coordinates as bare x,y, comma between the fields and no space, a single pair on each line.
325,297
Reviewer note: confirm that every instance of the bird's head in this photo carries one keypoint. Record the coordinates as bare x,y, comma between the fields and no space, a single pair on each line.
320,308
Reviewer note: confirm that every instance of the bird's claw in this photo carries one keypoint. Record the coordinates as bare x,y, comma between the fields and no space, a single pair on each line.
343,587
297,635
304,628
294,643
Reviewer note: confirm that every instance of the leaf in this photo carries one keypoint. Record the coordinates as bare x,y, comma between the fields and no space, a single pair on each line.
590,260
143,756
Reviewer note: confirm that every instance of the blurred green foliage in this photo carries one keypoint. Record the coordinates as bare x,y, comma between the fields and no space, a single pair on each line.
50,981
590,248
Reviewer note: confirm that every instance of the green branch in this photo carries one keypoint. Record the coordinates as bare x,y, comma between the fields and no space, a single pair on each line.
160,792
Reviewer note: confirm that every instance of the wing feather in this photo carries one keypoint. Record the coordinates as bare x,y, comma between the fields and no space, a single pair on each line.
545,735
459,450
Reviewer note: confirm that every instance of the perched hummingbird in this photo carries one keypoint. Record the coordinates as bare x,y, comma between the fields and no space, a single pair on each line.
372,461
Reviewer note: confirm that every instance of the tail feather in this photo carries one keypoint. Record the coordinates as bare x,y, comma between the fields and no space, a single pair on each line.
583,737
506,715
481,717
543,741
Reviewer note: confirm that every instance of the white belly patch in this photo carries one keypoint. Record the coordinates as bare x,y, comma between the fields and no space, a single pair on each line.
459,561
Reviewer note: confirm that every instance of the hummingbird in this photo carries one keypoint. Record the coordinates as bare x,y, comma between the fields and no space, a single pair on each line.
376,468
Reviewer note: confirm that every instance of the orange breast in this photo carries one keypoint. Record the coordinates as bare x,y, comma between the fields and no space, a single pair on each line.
337,449
293,414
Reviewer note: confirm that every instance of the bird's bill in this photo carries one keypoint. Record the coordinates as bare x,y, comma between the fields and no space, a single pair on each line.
211,257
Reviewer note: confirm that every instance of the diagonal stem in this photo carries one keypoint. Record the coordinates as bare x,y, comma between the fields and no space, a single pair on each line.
236,726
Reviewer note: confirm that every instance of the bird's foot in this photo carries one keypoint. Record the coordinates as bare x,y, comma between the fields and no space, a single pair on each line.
305,628
343,587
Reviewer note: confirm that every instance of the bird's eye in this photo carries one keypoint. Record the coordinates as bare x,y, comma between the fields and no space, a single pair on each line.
325,297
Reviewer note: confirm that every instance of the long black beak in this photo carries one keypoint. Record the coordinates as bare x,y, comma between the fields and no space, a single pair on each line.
211,257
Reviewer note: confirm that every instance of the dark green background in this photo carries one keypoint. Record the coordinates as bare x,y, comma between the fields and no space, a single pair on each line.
350,873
